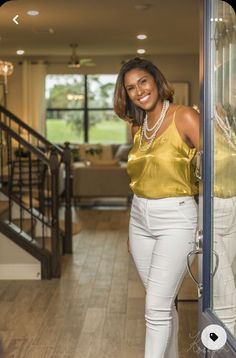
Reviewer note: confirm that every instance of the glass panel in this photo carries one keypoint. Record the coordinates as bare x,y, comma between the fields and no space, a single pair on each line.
223,57
65,126
100,91
106,127
65,91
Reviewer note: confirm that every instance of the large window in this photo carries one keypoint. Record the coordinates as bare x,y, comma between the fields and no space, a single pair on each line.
79,109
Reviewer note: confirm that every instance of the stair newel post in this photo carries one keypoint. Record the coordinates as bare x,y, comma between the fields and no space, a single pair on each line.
67,239
55,234
9,170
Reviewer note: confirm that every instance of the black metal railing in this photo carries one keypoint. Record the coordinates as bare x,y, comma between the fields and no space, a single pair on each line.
34,176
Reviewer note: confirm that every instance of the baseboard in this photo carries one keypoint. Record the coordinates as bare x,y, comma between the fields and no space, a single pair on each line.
20,272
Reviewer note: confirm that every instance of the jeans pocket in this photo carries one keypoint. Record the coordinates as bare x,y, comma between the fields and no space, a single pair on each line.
188,211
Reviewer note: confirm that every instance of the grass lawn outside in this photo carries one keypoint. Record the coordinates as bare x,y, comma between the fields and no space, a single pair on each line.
60,131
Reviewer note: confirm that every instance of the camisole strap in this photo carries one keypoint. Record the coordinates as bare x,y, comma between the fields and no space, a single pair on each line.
176,109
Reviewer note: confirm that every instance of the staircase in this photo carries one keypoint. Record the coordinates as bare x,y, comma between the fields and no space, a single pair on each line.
35,180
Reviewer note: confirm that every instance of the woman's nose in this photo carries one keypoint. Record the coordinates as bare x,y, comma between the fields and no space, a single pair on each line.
139,90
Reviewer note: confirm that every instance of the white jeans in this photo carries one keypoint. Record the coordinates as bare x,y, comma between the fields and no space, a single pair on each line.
224,297
161,234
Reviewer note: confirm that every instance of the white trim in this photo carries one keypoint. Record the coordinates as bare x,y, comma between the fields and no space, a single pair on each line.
20,272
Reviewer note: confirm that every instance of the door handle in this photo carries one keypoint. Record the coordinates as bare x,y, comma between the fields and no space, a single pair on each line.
216,264
198,170
198,251
198,283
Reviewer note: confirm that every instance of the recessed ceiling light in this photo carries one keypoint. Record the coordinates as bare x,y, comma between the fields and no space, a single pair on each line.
33,12
142,7
20,52
141,37
51,31
141,51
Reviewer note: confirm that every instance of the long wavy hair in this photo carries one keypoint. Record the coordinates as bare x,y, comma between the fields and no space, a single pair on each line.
123,106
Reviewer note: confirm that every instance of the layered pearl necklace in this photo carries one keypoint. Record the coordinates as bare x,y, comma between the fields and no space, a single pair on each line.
226,130
145,129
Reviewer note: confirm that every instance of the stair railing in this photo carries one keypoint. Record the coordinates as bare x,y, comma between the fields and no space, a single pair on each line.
36,140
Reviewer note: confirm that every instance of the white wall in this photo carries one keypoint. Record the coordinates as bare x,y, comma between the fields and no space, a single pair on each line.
17,264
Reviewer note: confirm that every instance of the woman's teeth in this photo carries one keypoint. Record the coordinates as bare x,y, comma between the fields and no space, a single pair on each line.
144,99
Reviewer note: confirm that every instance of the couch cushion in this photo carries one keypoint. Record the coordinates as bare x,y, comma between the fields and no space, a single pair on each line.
106,152
122,152
88,152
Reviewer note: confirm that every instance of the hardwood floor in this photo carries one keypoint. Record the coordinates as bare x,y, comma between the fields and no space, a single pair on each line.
96,309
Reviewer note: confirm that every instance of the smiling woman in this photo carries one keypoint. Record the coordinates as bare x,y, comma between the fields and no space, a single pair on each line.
163,215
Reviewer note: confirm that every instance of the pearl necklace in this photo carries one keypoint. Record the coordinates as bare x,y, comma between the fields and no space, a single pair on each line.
155,128
226,129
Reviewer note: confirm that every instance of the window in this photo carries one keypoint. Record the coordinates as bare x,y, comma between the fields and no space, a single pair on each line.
79,109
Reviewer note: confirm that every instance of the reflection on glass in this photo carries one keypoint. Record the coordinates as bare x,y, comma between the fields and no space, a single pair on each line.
224,133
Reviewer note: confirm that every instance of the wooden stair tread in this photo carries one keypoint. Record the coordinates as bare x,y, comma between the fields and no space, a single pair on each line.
26,201
4,206
24,224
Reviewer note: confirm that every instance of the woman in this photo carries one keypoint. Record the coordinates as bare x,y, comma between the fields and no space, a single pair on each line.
164,214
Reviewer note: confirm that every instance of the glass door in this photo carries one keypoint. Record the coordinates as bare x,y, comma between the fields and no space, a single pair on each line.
217,304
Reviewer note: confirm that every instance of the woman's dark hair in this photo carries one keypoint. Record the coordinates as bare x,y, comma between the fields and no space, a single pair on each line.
123,106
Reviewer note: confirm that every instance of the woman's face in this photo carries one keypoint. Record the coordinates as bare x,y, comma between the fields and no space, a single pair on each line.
141,88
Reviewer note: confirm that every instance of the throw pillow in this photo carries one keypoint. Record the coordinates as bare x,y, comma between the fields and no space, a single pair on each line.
106,152
88,151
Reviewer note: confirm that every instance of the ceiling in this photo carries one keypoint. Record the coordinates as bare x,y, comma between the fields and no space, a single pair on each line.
100,27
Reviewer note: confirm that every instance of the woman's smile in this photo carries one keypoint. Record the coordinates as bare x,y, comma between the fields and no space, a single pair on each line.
144,99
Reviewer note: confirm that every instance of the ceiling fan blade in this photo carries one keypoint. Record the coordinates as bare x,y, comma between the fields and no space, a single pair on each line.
87,62
75,61
73,65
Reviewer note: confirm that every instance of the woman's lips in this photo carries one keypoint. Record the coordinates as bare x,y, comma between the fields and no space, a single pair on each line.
144,99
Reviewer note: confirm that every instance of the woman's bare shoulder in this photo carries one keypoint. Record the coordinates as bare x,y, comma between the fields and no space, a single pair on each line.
187,116
188,123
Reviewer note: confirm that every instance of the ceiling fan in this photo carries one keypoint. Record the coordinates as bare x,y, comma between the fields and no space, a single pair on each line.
75,61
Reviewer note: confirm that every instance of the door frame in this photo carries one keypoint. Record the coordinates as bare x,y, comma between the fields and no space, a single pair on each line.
206,316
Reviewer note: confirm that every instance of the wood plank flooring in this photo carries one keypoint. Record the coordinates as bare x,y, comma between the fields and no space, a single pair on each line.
96,309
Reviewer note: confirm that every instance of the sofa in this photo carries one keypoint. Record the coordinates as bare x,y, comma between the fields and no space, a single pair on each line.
99,171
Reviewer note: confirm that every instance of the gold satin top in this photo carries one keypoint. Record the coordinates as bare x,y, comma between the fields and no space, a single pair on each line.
224,167
166,169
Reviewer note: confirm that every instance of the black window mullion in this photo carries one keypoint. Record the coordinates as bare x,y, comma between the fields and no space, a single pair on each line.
86,117
85,109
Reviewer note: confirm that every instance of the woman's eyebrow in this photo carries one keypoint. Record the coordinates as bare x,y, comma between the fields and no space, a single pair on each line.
141,78
131,84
